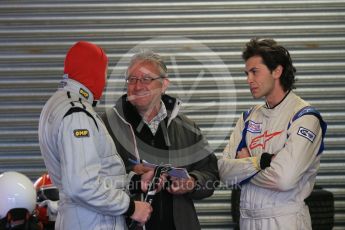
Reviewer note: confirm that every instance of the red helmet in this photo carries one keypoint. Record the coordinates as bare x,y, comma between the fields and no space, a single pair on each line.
46,192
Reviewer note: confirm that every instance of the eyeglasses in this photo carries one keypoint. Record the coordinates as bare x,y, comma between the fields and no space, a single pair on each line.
143,80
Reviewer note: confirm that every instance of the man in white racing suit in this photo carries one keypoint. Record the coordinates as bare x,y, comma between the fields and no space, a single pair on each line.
80,155
274,151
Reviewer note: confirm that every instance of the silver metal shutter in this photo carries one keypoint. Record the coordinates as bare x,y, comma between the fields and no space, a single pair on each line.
202,42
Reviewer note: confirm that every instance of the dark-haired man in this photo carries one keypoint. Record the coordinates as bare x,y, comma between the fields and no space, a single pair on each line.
274,151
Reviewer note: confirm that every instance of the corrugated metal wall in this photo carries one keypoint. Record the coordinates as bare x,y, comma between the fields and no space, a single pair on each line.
202,43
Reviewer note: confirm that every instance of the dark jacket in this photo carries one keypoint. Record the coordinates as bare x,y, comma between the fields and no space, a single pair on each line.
178,142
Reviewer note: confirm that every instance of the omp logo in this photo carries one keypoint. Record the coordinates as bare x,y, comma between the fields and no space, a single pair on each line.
81,133
84,93
260,141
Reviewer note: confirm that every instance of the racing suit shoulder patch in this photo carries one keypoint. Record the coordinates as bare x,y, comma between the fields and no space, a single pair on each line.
306,133
84,93
81,133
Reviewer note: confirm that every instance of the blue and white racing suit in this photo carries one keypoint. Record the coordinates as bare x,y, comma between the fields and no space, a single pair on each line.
273,198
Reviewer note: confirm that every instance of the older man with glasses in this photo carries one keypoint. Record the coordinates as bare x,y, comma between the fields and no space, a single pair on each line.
146,125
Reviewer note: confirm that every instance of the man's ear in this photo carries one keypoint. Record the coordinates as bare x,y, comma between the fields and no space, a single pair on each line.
165,84
278,71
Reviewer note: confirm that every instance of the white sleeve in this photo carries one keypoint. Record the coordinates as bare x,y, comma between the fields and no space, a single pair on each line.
233,171
298,154
83,179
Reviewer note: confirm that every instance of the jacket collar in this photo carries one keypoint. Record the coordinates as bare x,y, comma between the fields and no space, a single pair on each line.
76,88
172,105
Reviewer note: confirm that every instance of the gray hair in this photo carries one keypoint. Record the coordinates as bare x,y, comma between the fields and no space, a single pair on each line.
149,56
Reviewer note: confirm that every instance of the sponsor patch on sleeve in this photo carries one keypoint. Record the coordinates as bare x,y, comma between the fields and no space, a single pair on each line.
306,133
81,133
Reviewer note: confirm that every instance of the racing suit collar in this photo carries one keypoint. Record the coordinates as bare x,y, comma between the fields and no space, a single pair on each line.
281,107
76,88
268,106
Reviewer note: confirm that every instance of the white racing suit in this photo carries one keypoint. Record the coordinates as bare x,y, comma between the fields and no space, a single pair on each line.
273,198
82,161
